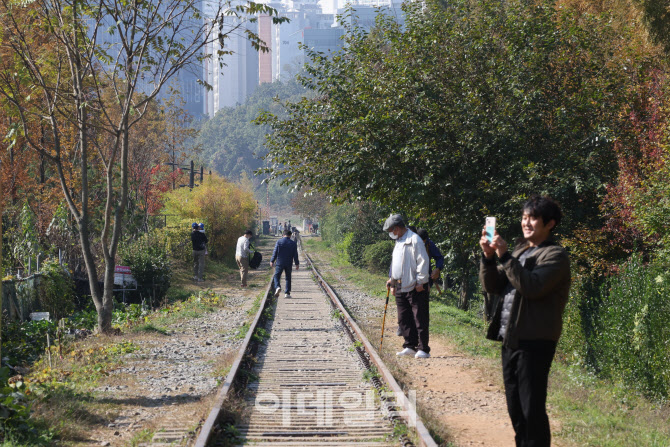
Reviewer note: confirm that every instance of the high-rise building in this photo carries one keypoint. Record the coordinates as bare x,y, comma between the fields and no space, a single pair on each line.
307,27
233,76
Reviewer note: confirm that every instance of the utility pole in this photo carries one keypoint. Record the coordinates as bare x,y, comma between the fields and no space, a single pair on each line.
191,180
191,174
174,166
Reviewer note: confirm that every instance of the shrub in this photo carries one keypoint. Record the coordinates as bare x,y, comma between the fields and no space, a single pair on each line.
343,246
149,263
225,208
579,335
377,257
633,329
177,241
23,342
366,231
15,424
338,222
55,290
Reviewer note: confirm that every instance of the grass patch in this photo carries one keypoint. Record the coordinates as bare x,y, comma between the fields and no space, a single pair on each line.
141,437
150,328
196,306
591,412
594,412
242,331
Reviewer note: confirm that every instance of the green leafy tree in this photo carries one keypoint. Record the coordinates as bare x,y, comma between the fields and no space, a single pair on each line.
464,112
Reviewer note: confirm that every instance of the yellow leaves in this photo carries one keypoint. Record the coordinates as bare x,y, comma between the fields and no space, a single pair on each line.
225,208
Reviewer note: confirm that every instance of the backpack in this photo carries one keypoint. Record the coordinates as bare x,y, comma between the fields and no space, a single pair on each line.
255,260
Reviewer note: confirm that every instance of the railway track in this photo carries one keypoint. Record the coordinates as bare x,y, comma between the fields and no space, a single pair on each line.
307,376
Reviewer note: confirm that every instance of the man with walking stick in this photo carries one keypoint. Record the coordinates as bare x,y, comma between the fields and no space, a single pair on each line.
409,284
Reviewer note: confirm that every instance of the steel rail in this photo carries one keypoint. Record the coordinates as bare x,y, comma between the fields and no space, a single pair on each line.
424,436
222,395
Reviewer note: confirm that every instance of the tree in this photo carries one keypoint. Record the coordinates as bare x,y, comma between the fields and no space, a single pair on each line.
232,144
88,93
225,208
464,112
656,15
636,204
311,204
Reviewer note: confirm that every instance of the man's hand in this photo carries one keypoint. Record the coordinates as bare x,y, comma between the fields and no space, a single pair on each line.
272,264
488,250
435,275
499,245
297,267
390,285
419,288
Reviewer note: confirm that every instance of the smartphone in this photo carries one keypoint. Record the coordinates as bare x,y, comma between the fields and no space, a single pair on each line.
490,228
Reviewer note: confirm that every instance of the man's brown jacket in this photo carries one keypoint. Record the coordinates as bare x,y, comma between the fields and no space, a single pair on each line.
542,287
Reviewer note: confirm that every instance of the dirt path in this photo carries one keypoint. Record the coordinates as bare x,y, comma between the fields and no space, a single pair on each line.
165,390
460,393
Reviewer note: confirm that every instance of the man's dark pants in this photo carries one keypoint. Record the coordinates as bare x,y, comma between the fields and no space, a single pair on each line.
277,278
526,373
413,319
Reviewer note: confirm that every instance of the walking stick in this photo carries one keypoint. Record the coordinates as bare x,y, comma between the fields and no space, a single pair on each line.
381,342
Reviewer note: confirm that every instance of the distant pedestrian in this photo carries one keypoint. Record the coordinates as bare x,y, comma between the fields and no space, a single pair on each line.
408,280
529,290
284,254
297,238
199,241
242,255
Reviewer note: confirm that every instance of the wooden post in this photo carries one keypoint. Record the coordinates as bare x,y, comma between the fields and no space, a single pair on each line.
49,349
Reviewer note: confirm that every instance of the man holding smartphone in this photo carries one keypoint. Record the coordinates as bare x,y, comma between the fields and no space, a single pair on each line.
529,290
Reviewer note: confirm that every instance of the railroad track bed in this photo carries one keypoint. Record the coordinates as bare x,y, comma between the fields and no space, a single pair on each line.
308,380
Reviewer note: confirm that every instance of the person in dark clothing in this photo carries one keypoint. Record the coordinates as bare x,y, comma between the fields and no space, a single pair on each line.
285,252
526,294
434,254
199,241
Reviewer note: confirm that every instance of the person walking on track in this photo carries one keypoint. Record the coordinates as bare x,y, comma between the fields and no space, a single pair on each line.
284,254
242,255
199,241
408,281
528,291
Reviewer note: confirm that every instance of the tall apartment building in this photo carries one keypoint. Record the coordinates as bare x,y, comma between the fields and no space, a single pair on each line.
245,68
307,25
233,76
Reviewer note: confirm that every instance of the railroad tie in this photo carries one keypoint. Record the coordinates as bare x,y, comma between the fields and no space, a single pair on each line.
311,389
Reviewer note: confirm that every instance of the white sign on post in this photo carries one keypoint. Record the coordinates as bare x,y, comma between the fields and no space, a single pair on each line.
123,277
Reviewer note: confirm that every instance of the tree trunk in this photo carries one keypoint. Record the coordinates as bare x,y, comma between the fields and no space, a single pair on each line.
105,312
464,297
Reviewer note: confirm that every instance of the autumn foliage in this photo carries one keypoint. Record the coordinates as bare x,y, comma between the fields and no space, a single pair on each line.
225,209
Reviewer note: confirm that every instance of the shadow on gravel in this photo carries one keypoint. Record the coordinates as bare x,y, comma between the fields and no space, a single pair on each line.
149,402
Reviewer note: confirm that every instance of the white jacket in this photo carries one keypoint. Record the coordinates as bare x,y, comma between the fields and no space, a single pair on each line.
410,262
242,248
